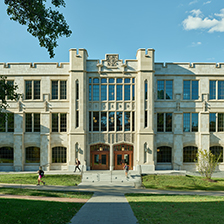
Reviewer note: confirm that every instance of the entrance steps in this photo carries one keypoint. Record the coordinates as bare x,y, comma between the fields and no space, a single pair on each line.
116,177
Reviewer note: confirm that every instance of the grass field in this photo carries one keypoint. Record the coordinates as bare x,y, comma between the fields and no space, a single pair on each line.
164,182
64,180
176,209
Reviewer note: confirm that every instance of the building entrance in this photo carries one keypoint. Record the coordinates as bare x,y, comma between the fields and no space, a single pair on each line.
123,154
99,155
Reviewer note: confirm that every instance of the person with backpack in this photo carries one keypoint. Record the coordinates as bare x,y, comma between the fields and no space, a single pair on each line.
126,168
40,175
77,163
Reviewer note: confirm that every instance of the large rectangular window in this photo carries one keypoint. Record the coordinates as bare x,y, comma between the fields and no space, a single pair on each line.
32,122
216,122
119,92
111,121
164,122
59,122
165,89
58,89
190,91
103,92
32,90
96,121
190,122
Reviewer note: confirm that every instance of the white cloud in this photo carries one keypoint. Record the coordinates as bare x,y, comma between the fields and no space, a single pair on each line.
195,44
196,21
205,3
193,2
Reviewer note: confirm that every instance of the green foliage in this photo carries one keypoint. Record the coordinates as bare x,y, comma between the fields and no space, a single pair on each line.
207,162
7,92
176,209
184,183
44,23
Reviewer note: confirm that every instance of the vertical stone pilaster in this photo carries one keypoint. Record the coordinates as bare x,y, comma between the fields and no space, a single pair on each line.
204,140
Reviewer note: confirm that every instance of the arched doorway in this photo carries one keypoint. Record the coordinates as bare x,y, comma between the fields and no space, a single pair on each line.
123,153
99,155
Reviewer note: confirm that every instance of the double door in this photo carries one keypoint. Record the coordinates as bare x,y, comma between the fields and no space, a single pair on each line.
100,160
122,157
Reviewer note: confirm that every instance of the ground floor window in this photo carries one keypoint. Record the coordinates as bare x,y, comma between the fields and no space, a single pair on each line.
164,154
6,155
189,154
216,150
32,155
59,154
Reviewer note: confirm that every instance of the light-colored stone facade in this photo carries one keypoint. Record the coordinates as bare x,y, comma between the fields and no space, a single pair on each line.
144,138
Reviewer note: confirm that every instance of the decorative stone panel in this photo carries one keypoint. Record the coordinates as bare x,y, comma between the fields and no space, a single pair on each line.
95,106
105,138
104,106
112,60
90,106
127,137
119,137
120,106
112,106
127,106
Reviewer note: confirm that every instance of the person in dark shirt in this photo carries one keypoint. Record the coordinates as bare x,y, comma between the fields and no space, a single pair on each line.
40,175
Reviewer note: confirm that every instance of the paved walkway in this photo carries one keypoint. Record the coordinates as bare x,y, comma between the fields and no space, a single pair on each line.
108,204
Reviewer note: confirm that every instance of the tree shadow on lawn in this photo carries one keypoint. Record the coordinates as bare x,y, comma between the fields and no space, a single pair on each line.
176,208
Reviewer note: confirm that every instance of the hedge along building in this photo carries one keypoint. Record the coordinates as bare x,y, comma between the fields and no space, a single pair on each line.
109,112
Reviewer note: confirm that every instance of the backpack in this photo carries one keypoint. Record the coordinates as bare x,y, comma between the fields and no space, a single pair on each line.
79,162
42,173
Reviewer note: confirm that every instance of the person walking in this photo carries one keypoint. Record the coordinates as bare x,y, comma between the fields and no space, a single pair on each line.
126,168
77,163
40,175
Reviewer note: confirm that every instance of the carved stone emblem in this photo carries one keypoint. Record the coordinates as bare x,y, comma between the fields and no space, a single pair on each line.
112,59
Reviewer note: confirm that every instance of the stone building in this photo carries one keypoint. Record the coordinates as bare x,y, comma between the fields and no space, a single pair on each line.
111,111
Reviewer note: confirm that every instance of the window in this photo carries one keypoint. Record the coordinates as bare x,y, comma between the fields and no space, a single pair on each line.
216,122
127,121
32,90
6,122
59,155
164,154
164,122
11,83
189,154
103,121
190,123
6,155
32,155
216,150
59,122
32,122
164,89
190,90
96,121
216,90
119,120
59,93
111,121
95,89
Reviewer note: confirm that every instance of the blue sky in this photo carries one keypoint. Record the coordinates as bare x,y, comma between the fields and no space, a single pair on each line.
178,30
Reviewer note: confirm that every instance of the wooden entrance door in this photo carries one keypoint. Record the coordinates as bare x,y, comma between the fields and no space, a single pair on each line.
100,160
122,157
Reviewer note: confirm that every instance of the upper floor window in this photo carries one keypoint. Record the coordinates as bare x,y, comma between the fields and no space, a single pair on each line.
6,122
32,122
59,89
216,90
32,89
216,122
164,89
59,122
190,90
164,122
190,123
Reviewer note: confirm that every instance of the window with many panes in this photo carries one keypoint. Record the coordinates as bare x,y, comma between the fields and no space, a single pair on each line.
216,90
164,122
164,154
190,122
58,89
190,90
32,155
59,122
189,154
32,89
217,150
32,123
216,122
164,89
6,122
6,155
59,154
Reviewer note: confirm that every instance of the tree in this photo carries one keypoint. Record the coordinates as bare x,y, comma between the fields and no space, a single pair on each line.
44,23
7,92
207,163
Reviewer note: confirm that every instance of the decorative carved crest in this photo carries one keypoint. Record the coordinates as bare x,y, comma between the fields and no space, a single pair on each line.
112,59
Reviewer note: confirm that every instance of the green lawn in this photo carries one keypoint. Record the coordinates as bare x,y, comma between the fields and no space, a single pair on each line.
18,211
176,209
165,182
45,193
64,180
